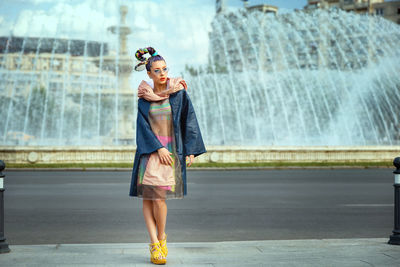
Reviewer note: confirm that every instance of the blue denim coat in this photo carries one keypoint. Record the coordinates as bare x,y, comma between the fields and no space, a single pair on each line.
187,134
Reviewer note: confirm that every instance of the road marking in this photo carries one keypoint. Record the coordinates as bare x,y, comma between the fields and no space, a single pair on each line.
368,205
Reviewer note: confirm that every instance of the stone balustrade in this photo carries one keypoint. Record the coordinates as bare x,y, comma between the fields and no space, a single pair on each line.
221,154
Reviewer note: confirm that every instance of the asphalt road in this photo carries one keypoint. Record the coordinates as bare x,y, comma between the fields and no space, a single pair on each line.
48,207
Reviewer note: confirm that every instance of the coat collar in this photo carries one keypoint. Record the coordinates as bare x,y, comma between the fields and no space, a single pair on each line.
146,90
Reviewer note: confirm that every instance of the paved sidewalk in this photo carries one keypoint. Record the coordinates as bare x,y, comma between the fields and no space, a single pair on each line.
309,252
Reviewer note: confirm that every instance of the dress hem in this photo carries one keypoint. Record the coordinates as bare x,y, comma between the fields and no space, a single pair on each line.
157,198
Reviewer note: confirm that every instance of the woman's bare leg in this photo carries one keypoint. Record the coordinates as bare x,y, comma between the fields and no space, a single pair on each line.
149,219
160,214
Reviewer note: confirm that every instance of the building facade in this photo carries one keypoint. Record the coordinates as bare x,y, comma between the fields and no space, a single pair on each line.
51,63
388,9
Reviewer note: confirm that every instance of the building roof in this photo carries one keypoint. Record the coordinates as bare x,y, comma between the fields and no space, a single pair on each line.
60,46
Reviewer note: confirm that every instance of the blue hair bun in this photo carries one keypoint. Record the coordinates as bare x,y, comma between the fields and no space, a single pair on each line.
154,54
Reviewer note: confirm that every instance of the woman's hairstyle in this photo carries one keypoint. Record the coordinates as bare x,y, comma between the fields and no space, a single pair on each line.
146,62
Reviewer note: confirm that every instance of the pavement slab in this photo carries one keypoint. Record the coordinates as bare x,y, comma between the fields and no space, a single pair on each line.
302,252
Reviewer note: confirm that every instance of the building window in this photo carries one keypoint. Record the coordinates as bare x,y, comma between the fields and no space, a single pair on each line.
398,11
379,11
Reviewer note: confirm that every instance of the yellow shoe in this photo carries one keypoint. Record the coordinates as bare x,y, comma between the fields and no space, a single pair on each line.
157,256
163,244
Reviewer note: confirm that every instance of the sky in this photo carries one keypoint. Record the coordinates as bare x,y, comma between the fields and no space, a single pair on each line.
177,29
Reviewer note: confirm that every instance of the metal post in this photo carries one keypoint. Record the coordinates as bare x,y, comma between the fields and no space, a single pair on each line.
395,237
3,244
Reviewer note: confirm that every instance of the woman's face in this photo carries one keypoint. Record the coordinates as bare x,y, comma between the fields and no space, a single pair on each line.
158,72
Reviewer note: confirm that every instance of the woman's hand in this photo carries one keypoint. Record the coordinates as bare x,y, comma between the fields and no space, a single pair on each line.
189,160
165,156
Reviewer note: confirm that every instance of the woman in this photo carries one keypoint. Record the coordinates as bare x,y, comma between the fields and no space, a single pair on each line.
167,131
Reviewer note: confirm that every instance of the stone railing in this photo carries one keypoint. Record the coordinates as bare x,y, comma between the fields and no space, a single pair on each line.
222,154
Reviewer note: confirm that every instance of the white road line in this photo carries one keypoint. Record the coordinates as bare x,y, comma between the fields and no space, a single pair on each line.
367,205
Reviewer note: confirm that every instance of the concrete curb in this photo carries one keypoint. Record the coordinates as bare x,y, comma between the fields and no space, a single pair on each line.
308,252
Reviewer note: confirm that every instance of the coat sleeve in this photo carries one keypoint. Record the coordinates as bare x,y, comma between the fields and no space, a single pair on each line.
191,136
146,140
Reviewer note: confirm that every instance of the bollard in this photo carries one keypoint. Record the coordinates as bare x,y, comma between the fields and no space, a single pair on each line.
3,244
395,237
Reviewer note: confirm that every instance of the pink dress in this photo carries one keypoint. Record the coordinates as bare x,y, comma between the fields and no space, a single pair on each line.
157,180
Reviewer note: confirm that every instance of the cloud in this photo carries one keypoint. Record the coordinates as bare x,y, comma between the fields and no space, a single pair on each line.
178,29
37,2
5,26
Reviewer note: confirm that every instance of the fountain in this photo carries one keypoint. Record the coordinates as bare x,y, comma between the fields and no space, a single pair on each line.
66,92
122,66
323,78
